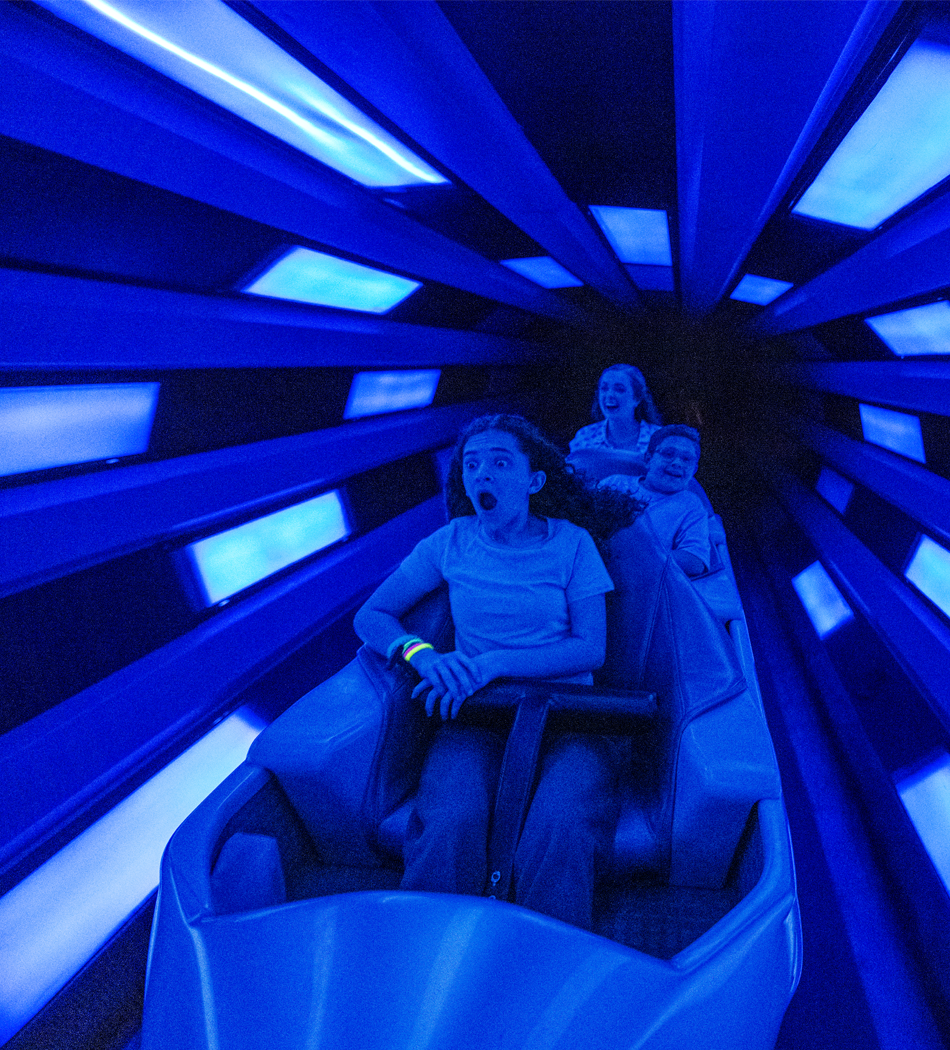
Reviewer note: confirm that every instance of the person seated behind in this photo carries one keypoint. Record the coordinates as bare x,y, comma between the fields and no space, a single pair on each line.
526,590
626,418
677,515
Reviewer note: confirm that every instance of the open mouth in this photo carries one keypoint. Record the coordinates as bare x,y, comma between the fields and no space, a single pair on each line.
487,501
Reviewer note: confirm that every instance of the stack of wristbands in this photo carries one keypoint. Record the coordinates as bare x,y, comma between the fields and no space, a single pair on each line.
409,644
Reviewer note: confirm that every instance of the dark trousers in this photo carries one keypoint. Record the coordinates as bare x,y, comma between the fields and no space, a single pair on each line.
569,826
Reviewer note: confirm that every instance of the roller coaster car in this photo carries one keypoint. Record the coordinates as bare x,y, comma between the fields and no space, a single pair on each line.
279,923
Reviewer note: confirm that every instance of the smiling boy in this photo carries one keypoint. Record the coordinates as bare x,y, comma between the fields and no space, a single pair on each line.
677,515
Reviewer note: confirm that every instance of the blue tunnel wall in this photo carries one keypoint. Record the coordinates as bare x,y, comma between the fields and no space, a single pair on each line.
134,213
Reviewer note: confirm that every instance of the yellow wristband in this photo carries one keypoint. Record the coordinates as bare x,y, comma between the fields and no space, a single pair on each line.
410,651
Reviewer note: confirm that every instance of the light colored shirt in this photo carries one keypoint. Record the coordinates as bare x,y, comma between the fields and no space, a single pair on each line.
679,519
595,436
509,597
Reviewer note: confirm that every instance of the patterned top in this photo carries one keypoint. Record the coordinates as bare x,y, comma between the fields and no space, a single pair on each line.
595,436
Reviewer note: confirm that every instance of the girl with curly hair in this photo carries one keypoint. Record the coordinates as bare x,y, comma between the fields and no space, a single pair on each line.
526,589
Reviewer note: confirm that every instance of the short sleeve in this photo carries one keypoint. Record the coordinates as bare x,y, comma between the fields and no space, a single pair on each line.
589,575
423,564
693,532
591,436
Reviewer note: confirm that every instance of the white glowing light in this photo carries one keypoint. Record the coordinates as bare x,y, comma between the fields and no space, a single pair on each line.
54,426
211,49
59,916
822,600
232,560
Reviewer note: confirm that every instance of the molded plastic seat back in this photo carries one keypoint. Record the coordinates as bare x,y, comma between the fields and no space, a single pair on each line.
349,752
709,757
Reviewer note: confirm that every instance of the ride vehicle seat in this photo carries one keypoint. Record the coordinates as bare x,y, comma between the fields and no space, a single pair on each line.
348,754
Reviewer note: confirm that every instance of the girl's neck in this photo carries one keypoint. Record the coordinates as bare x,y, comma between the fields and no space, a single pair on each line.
522,531
623,433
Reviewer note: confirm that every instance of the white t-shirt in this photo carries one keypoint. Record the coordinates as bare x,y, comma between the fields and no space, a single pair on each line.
509,597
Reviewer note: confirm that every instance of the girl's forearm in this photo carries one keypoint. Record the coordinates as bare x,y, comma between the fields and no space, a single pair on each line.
377,629
559,660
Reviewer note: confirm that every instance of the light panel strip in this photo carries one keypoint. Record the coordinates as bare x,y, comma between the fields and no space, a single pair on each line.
305,276
759,290
916,330
543,270
897,150
637,235
821,599
211,49
56,426
929,571
926,797
892,430
835,489
373,393
230,561
59,916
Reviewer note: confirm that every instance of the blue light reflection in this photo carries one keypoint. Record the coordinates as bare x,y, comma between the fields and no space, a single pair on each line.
835,489
211,49
59,916
929,571
821,599
917,330
230,561
543,270
637,235
759,290
55,426
897,149
372,393
926,797
306,276
896,431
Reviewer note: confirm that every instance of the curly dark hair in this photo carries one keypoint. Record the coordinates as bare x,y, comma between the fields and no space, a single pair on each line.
646,410
602,512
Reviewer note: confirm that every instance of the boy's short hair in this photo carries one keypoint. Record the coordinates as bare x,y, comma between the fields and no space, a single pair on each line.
673,430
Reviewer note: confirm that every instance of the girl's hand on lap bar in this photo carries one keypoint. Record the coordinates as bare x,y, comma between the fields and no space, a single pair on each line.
450,679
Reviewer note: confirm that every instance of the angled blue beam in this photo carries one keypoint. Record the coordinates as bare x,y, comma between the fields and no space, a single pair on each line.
71,99
756,83
87,747
71,322
920,494
88,519
918,385
908,627
425,80
909,259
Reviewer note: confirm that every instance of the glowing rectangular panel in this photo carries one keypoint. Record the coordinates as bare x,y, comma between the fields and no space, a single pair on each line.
759,290
212,50
543,270
59,916
926,797
897,149
55,426
917,330
835,489
637,235
372,393
822,600
230,561
929,571
896,431
305,276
